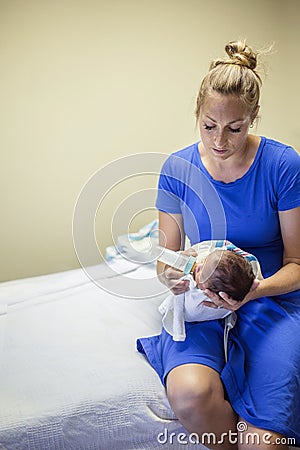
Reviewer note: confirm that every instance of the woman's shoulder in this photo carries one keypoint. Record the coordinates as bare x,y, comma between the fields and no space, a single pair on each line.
181,159
276,149
280,165
275,156
188,153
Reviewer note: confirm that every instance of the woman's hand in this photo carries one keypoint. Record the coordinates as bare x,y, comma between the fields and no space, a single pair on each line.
172,278
222,300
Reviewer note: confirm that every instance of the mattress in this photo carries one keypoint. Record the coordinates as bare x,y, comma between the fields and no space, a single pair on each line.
70,375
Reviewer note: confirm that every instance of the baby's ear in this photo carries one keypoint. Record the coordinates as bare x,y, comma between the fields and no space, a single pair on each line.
254,284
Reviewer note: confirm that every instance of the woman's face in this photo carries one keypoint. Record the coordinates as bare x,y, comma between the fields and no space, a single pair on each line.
224,124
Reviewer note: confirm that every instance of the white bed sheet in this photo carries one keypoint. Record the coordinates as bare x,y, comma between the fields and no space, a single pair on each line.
70,376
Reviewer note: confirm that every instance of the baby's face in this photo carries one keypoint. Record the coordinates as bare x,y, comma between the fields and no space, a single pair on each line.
204,269
197,274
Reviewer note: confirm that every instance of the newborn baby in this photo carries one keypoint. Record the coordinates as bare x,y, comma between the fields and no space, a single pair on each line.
227,269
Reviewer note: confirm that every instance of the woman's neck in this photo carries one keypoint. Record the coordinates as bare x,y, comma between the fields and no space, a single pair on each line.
235,166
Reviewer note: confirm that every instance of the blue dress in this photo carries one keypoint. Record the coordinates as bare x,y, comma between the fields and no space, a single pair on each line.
262,374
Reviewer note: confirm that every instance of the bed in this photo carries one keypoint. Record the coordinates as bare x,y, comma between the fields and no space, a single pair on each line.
70,376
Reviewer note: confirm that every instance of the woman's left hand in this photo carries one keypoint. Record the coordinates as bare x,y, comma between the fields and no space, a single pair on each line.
222,300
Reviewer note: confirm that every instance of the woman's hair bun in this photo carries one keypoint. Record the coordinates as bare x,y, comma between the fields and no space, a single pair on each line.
241,54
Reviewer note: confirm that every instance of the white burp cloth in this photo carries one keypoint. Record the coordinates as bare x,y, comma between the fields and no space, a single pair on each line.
187,307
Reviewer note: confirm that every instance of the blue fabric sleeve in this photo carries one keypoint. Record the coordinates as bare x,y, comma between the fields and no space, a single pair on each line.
289,180
168,195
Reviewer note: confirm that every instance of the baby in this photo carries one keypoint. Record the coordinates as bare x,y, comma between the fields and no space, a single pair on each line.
227,269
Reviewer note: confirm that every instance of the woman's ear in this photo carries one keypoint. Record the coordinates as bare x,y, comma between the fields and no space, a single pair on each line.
254,284
255,114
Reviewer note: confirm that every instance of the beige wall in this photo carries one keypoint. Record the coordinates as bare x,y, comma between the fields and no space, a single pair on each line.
85,82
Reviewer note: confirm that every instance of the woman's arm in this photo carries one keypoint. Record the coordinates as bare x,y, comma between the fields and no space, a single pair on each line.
286,279
171,235
171,231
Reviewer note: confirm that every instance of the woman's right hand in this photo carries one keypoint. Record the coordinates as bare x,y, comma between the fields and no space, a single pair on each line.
171,278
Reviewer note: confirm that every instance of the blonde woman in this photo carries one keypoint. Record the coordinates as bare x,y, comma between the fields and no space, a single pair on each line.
244,188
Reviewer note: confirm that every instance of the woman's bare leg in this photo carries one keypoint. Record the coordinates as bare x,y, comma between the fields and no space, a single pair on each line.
196,394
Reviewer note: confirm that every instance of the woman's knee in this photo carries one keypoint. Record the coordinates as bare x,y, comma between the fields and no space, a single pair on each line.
193,388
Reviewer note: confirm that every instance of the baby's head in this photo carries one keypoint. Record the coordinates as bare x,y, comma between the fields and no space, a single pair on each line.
226,271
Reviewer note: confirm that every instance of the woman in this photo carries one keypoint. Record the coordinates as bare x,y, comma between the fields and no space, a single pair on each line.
244,188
